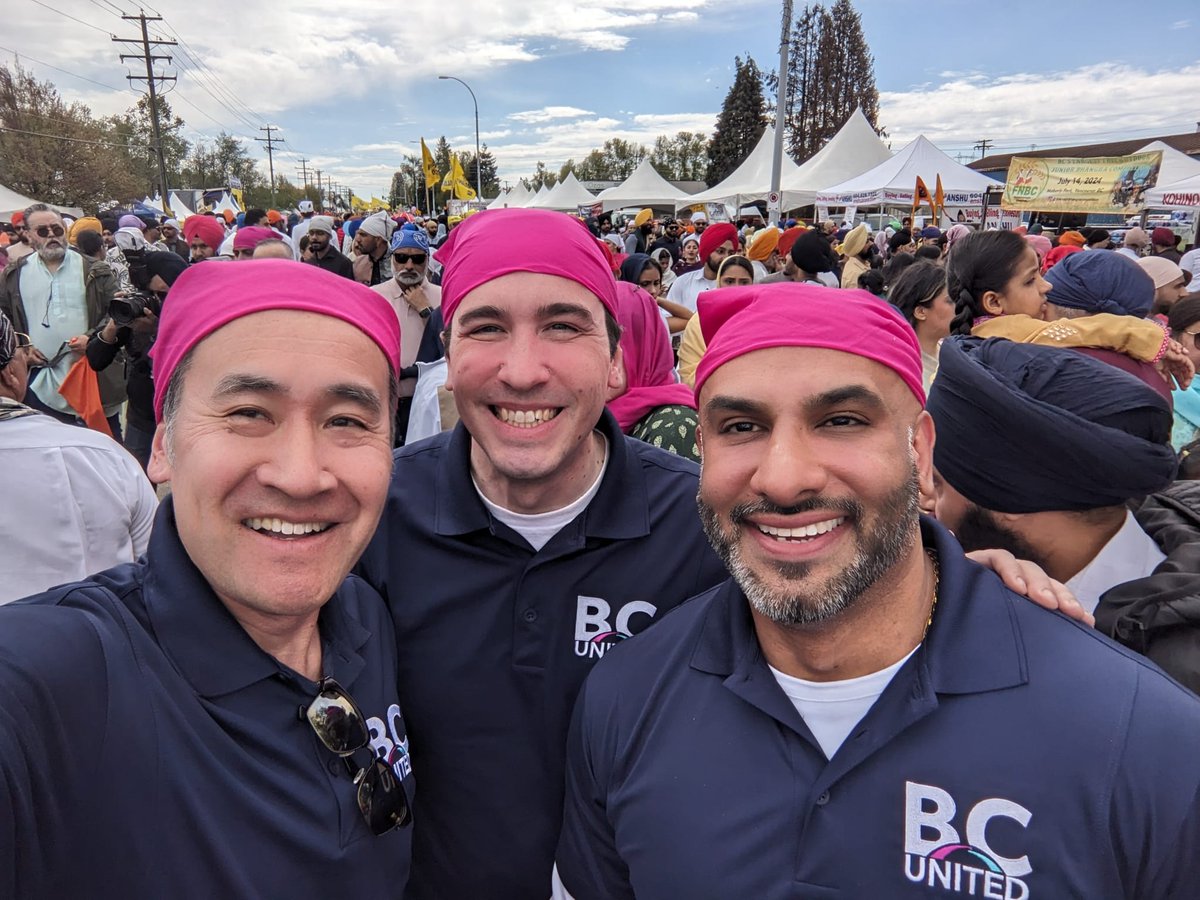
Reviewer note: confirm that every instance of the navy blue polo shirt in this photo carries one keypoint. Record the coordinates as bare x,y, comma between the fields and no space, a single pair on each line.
495,639
149,748
1015,755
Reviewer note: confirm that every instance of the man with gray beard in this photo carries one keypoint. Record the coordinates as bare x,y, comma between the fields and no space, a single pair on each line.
418,303
861,711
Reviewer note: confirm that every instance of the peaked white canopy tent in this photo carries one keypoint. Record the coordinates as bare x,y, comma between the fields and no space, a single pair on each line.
516,198
1183,194
855,149
645,187
11,202
751,180
566,196
893,181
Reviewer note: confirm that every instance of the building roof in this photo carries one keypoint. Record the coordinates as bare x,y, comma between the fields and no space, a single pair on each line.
1188,143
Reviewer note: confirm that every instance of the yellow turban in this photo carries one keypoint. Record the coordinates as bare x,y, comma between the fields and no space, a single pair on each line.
87,223
643,217
763,245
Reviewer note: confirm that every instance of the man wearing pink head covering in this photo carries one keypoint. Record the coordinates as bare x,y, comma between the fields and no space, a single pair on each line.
183,673
856,674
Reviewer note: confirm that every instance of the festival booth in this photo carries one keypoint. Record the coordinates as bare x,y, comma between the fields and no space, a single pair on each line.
1183,194
749,181
645,187
566,196
1176,166
855,149
516,198
179,208
892,184
11,202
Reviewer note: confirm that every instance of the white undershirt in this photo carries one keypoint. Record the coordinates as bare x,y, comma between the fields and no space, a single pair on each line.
1129,554
538,528
831,709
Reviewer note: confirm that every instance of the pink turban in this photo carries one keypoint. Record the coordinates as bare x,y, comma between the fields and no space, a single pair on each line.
737,321
502,241
649,362
714,236
250,236
208,229
1040,243
211,295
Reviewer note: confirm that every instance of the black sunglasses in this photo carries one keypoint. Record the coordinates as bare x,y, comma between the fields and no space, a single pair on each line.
417,259
341,727
44,231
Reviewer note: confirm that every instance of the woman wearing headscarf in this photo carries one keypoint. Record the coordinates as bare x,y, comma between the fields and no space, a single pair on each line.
665,261
654,407
641,270
735,271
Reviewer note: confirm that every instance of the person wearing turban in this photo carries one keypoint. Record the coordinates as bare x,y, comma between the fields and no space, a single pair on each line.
1039,450
856,248
86,223
1072,239
204,235
372,264
248,237
717,242
1170,283
763,252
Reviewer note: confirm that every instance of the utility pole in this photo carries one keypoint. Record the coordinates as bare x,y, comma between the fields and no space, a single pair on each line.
150,58
983,145
304,172
317,172
775,197
270,142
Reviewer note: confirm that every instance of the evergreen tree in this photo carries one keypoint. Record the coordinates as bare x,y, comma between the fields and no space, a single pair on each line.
830,73
740,124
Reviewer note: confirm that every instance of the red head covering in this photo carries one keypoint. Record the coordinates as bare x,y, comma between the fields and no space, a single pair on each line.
206,228
250,236
649,362
737,321
714,236
211,295
18,218
1056,255
502,241
788,238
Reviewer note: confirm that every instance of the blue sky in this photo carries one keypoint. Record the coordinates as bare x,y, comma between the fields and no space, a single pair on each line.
352,86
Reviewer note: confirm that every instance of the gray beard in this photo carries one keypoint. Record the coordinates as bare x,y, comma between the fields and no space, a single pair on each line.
409,279
879,550
52,254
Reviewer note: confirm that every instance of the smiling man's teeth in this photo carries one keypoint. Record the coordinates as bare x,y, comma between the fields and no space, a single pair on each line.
805,532
279,526
525,418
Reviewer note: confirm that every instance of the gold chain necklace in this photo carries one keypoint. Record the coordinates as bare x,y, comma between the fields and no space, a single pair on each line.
933,558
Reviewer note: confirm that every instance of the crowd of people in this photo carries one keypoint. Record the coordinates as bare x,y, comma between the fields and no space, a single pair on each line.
526,556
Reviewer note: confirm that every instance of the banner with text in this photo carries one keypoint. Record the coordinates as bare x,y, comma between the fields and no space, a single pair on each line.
1103,184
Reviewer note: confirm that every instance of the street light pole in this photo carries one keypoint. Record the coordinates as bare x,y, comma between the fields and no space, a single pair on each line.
478,167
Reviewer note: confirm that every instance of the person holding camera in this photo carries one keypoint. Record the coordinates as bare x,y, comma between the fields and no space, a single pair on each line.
131,326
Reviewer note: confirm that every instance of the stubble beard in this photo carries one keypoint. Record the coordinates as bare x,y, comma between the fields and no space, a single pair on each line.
878,551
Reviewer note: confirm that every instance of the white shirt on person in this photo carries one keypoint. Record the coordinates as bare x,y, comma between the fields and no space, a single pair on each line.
1129,554
75,503
689,286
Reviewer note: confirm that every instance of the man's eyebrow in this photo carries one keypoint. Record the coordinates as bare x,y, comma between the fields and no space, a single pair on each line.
853,393
564,308
361,396
237,383
721,403
481,312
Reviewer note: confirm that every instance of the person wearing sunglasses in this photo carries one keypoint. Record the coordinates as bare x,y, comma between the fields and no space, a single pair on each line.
220,718
20,240
51,296
418,303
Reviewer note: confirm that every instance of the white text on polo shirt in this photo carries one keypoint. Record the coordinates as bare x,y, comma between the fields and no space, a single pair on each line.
387,743
596,630
936,855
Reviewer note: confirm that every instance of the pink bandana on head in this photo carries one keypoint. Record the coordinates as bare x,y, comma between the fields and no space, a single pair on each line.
649,363
250,236
737,321
212,294
502,241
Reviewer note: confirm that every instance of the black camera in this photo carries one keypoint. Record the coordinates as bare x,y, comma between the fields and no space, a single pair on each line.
123,310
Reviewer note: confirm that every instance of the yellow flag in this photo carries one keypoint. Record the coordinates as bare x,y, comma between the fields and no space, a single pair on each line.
431,171
456,181
236,194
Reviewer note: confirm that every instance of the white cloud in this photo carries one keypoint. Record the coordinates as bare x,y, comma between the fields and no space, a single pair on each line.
1181,24
1085,105
546,113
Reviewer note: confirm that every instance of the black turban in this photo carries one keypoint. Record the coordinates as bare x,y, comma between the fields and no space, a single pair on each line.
1023,428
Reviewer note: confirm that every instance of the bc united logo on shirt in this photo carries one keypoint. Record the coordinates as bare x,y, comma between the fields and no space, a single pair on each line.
597,629
938,855
389,741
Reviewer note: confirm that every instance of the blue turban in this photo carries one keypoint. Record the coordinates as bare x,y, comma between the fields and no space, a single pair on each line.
240,218
1101,281
416,239
1023,428
352,227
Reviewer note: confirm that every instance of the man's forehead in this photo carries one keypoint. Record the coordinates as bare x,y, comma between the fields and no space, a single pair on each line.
798,374
527,293
43,215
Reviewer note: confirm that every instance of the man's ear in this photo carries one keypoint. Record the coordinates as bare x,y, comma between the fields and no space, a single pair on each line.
159,469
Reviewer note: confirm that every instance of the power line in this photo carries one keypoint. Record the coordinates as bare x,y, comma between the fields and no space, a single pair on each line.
64,71
149,58
60,137
72,18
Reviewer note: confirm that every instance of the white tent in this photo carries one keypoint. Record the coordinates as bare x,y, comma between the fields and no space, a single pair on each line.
645,187
225,203
855,149
1183,194
519,196
751,180
892,182
11,202
179,208
1176,165
567,195
538,196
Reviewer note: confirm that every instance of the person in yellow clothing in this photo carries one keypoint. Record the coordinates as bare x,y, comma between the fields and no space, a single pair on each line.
735,271
857,250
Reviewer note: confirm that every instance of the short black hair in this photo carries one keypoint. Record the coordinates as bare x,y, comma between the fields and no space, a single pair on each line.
89,242
929,252
254,215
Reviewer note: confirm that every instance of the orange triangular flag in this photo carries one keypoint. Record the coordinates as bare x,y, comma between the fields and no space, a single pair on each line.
81,389
939,198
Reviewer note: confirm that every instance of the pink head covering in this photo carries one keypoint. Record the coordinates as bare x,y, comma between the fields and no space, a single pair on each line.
251,236
1040,243
502,241
210,295
737,321
956,233
649,363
